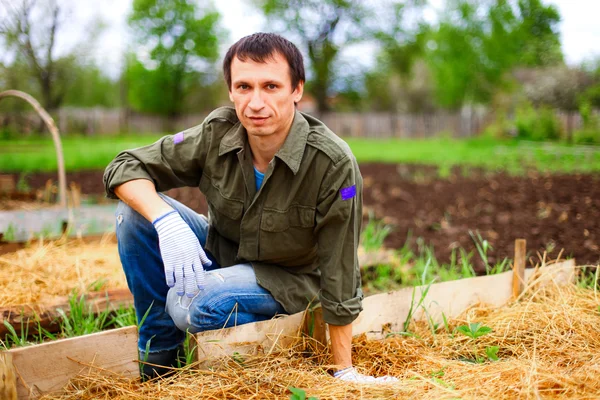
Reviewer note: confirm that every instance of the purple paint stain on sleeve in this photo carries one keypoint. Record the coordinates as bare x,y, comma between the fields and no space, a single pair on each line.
348,193
178,138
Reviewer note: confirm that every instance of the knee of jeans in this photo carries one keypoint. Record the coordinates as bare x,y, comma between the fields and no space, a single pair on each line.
179,313
210,312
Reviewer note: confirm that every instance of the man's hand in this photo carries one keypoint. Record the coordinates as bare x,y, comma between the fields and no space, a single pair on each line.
181,253
351,375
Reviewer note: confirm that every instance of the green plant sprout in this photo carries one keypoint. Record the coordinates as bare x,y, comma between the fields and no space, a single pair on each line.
414,307
188,350
11,233
475,331
492,352
238,358
299,394
374,233
483,246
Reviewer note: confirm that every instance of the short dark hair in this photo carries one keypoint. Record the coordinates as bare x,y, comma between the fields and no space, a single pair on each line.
263,46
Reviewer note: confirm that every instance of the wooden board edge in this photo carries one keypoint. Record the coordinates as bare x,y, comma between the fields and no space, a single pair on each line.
8,377
376,319
75,340
268,336
48,367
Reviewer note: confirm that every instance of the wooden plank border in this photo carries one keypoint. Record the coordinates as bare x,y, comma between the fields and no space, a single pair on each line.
48,367
381,312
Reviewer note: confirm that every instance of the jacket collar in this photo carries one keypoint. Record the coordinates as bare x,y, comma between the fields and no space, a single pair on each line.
291,152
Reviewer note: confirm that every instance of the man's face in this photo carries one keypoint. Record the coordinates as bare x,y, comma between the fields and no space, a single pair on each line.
263,96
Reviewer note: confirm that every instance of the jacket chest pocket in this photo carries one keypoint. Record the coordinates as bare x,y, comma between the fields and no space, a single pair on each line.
286,235
225,213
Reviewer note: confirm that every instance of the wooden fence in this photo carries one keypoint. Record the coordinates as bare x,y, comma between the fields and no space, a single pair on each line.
99,121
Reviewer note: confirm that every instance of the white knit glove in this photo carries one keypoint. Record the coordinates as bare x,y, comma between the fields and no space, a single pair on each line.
181,253
350,374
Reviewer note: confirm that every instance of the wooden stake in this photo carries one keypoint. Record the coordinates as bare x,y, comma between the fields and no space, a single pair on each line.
518,282
8,384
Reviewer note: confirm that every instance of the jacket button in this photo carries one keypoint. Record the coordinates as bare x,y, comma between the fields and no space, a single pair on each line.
269,222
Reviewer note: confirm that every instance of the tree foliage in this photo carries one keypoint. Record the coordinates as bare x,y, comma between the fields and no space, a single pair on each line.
558,87
30,30
90,87
323,27
180,39
400,81
478,42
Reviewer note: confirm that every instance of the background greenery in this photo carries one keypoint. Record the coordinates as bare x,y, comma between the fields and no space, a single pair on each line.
513,156
499,54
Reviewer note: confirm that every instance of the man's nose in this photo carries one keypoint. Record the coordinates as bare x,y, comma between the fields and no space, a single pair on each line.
256,102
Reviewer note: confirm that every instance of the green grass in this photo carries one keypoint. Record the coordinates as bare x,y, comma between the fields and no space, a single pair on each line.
425,268
80,153
80,320
495,155
84,153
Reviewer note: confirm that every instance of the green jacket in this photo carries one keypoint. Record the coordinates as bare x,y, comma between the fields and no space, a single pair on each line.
300,231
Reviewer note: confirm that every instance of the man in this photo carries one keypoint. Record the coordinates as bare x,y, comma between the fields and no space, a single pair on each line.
285,200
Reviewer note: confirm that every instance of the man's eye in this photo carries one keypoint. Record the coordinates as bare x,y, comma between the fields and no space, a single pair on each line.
243,87
272,86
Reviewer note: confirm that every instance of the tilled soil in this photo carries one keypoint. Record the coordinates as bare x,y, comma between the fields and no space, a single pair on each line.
553,212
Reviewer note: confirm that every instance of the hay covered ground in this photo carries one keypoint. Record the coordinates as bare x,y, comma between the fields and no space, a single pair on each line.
549,347
549,344
45,271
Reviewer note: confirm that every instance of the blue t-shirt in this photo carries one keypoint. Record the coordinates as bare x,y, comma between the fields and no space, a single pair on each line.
258,178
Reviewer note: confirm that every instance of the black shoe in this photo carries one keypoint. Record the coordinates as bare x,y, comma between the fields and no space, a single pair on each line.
162,362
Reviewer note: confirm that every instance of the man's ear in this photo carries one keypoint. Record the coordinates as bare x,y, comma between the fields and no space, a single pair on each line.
231,96
298,92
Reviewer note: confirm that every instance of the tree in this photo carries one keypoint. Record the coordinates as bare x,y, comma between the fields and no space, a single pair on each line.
478,42
30,30
539,43
591,95
90,87
400,80
323,27
557,87
181,40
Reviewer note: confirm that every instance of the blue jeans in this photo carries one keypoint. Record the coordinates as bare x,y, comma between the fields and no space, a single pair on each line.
231,295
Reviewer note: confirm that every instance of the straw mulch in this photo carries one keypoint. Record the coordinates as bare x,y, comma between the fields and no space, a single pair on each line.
49,269
549,348
45,271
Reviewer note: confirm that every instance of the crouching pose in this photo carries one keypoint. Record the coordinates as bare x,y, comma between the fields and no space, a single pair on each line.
285,209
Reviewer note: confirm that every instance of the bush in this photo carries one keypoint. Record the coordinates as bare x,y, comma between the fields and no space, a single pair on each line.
587,136
540,125
501,128
590,133
6,133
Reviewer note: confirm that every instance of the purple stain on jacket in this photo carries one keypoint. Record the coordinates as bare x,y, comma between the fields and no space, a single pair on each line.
348,193
178,138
